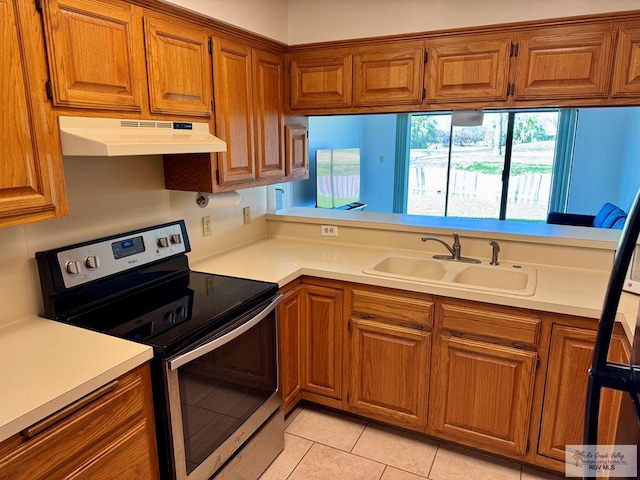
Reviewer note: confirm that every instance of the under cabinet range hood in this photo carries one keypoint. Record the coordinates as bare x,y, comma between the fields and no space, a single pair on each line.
110,137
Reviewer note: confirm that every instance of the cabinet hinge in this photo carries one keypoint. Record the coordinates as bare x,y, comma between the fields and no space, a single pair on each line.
289,68
212,105
348,397
511,50
218,177
49,88
210,46
537,363
39,6
349,325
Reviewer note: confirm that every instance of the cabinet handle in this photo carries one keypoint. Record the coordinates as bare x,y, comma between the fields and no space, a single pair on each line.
364,316
455,333
519,345
60,415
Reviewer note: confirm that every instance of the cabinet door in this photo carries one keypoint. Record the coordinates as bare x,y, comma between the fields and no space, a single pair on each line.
234,116
322,341
296,153
389,372
565,395
96,54
321,79
178,67
468,68
31,178
268,114
626,74
290,313
566,62
388,75
481,394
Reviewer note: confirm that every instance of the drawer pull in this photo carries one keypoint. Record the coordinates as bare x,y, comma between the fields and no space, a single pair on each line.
519,345
455,333
364,316
60,415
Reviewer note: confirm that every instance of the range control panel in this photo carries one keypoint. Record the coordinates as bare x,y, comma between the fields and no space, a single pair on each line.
80,264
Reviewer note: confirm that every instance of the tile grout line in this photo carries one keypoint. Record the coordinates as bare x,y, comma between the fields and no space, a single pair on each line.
366,424
433,461
302,458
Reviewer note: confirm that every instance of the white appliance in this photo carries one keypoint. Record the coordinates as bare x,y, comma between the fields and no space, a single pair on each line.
108,137
632,280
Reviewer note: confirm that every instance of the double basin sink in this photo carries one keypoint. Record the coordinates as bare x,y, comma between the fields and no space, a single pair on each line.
504,278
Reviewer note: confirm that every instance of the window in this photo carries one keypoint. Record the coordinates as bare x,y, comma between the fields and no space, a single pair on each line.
502,169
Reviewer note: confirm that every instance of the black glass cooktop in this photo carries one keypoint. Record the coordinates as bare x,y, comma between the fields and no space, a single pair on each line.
172,314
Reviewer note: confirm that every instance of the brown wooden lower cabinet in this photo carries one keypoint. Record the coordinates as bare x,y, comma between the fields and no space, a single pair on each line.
389,378
504,380
109,434
565,395
481,394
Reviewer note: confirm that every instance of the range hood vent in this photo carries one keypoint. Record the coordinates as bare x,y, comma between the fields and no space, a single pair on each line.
110,137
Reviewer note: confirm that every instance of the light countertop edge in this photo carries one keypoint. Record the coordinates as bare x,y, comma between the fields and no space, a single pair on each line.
48,365
559,290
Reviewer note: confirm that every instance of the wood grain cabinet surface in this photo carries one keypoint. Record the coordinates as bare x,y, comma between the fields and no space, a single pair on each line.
108,435
481,392
296,152
322,337
626,74
32,183
468,68
389,355
388,74
178,66
564,62
321,78
290,323
96,54
565,395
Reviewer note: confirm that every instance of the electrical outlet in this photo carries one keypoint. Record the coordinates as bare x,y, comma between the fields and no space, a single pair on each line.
246,215
206,226
329,230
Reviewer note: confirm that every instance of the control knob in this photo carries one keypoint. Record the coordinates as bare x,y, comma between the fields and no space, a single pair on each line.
73,267
92,261
169,317
163,242
176,238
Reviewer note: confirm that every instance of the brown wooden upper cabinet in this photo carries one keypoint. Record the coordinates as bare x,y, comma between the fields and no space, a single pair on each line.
564,62
249,113
296,152
31,178
178,67
388,74
96,54
626,74
468,68
321,79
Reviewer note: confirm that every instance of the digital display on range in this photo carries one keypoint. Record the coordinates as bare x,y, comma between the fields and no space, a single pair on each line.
125,248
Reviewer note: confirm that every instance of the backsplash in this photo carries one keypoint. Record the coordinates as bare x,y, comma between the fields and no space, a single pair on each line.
109,196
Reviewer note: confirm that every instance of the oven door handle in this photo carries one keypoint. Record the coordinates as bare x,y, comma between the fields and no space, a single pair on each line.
180,360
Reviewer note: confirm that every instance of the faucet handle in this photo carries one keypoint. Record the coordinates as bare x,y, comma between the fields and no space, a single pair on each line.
494,252
456,238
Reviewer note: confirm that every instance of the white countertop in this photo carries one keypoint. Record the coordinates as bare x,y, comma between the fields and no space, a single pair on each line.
569,291
47,365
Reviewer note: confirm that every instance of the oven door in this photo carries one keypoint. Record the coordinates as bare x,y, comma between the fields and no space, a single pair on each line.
221,391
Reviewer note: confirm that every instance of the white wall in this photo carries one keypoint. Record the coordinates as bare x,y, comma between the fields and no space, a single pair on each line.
109,196
324,20
266,17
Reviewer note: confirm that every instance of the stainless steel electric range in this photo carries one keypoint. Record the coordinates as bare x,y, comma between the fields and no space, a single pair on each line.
214,371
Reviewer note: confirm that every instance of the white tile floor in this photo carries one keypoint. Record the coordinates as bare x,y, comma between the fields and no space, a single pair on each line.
324,445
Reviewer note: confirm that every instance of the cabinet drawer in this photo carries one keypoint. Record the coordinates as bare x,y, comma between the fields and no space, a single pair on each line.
61,449
505,325
405,308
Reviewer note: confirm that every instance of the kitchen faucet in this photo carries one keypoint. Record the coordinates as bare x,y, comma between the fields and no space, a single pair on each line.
494,252
455,250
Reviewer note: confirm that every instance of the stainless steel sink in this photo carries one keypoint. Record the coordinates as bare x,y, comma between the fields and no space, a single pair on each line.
504,278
